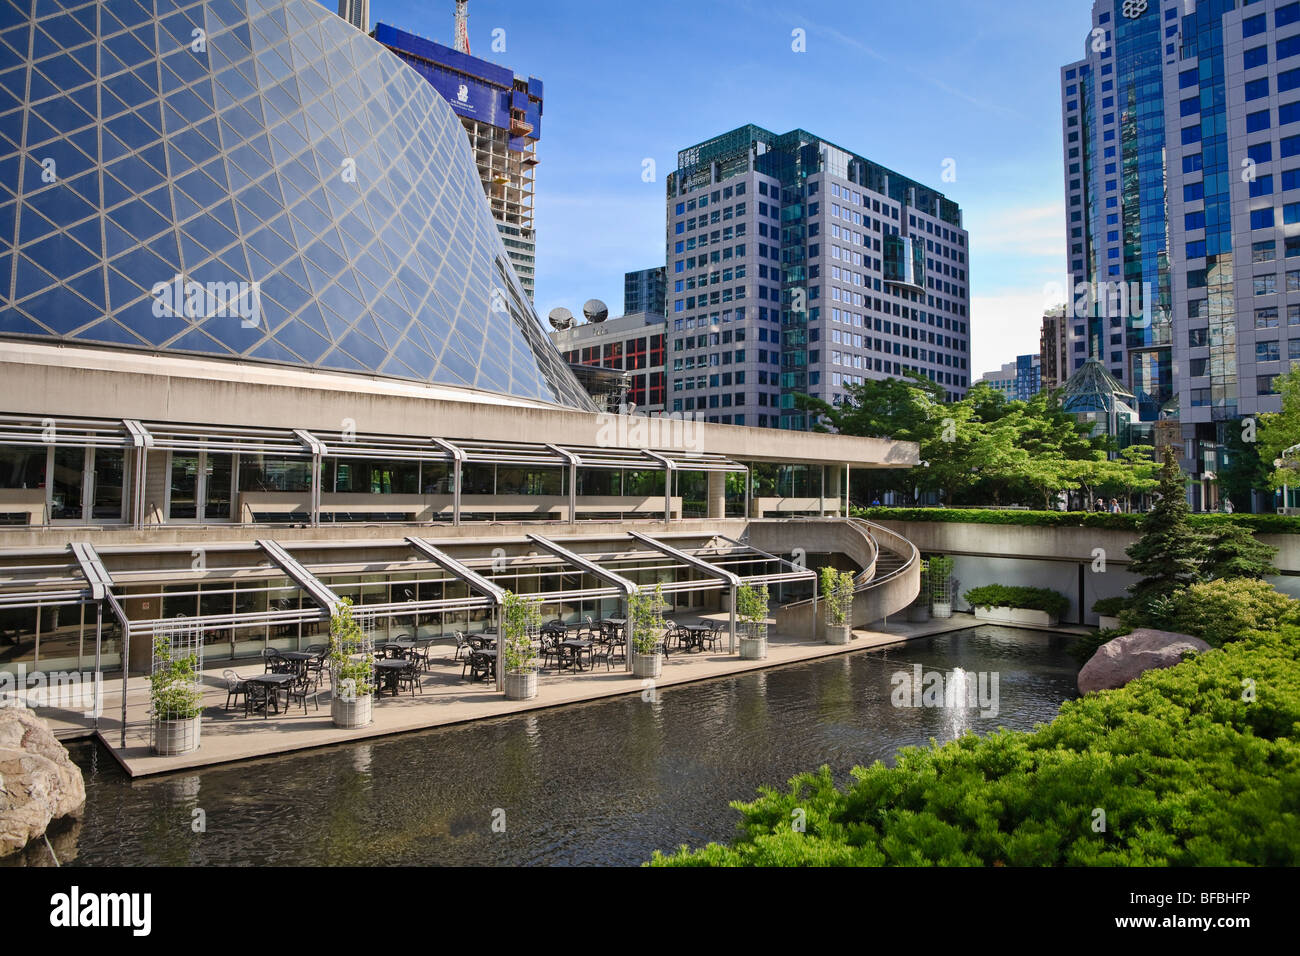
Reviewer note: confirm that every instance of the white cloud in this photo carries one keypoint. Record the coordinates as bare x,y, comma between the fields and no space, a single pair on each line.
1036,231
1003,326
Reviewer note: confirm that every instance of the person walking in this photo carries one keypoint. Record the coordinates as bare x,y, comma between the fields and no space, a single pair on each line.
1227,505
1100,506
1114,506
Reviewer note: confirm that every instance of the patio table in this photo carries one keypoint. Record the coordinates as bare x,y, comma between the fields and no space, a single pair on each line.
576,645
695,634
388,669
274,683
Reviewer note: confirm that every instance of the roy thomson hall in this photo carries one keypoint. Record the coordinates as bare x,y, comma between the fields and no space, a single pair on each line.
262,349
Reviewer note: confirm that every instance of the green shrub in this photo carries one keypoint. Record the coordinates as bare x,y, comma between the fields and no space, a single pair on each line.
1222,611
1262,524
645,617
1110,606
1189,770
1031,599
174,684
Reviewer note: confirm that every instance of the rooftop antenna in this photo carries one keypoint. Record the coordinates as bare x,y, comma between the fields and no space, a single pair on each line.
462,26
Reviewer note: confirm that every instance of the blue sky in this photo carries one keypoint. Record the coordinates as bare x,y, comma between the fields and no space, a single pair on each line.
908,84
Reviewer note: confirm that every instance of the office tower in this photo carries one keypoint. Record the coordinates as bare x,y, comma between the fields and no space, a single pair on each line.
357,13
1181,124
1020,380
502,115
1053,348
645,291
796,267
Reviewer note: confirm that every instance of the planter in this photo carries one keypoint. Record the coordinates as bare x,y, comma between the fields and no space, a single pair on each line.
1105,621
173,737
357,712
521,686
838,633
941,609
647,665
753,643
1015,615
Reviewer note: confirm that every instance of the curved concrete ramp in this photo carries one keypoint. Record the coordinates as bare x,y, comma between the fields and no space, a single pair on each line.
889,581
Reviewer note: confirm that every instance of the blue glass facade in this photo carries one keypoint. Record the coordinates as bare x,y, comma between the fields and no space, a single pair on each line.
267,150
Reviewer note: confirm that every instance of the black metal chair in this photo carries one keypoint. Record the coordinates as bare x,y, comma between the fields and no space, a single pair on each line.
410,674
301,689
714,634
480,666
261,697
462,642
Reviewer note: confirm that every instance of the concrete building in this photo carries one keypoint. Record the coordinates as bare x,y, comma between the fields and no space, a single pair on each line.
234,393
1053,348
800,267
633,343
645,291
357,13
1019,380
1181,123
502,116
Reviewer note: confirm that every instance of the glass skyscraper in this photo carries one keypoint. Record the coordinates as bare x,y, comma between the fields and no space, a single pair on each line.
1181,125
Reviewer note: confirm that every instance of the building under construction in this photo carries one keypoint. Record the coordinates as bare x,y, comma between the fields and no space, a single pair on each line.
502,114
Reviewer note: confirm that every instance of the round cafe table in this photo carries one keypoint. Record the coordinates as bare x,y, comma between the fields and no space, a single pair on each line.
388,670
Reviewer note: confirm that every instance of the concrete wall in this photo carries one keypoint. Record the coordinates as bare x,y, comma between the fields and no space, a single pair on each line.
1053,557
38,379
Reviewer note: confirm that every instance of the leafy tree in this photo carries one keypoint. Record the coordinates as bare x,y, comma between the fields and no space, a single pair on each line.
1169,553
1235,553
1244,470
1278,431
1136,476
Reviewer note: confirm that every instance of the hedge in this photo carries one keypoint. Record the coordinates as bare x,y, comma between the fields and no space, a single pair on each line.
1031,599
1263,524
1194,765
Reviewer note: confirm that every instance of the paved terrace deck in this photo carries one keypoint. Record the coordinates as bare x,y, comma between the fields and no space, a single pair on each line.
446,699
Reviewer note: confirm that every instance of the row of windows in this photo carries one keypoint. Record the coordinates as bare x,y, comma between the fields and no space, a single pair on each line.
1282,16
717,196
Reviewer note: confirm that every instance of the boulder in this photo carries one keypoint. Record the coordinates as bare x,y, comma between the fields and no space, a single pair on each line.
38,780
1130,655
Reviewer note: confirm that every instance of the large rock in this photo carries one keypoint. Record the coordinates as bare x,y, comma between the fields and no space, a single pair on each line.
1130,655
38,780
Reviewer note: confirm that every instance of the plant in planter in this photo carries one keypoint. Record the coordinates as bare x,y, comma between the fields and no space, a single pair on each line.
1108,609
176,698
646,620
940,585
918,612
521,616
751,605
1017,605
837,596
352,669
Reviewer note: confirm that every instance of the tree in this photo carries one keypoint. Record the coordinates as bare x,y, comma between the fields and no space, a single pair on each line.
1137,474
1278,431
1235,553
1169,553
1244,471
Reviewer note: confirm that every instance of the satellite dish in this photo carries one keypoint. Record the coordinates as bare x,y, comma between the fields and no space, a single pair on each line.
595,310
561,318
